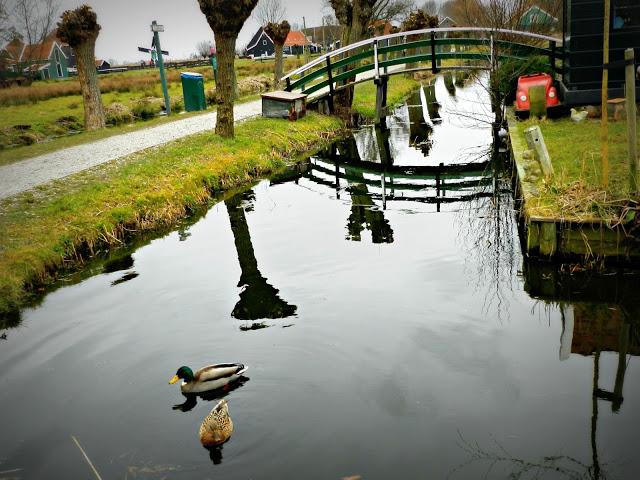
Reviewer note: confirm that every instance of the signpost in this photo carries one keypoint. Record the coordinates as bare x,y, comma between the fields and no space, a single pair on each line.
155,28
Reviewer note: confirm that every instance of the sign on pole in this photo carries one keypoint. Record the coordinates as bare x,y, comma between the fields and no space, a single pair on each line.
156,43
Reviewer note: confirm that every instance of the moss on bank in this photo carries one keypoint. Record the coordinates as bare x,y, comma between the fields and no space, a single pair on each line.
60,225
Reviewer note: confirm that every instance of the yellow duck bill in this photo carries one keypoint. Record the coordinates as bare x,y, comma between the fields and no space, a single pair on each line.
174,380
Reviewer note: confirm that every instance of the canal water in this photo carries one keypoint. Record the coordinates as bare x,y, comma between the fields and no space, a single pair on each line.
391,326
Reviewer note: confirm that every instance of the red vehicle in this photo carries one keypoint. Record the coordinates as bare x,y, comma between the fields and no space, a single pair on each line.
527,81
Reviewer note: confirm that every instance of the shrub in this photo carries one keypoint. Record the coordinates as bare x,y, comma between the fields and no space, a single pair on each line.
253,85
69,123
117,114
177,104
211,96
146,108
27,138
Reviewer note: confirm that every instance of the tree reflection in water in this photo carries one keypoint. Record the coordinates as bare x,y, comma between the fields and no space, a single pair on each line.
489,232
258,299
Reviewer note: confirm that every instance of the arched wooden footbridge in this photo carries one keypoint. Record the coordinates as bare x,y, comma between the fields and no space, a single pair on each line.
432,49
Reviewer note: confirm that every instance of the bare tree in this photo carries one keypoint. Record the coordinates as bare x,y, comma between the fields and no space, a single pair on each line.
355,16
226,18
203,48
4,20
492,13
391,10
269,11
278,33
432,7
80,29
33,21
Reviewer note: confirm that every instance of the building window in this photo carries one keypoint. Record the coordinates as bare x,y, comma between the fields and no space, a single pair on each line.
57,54
626,14
264,42
59,70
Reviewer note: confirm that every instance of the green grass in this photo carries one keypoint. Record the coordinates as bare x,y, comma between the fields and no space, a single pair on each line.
11,155
398,89
576,189
17,106
63,223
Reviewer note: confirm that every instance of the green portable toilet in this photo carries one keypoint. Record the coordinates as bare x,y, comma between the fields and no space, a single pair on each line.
193,91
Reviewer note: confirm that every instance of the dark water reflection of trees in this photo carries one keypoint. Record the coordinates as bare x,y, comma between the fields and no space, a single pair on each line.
258,298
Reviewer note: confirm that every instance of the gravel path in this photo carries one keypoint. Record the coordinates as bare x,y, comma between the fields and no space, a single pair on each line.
26,174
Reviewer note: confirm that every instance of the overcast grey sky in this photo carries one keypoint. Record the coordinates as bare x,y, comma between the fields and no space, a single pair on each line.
125,24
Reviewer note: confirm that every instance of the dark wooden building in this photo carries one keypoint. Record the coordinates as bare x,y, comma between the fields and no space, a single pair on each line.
260,45
583,26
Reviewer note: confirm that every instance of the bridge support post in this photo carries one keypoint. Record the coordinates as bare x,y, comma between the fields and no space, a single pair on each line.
330,80
434,61
381,100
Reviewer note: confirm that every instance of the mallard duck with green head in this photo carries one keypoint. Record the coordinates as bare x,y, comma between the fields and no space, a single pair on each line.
208,378
217,427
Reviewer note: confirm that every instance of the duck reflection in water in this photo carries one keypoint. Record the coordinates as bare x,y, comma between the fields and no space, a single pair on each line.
192,398
258,299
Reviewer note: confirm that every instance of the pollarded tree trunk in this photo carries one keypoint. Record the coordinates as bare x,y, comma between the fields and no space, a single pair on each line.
277,73
226,18
355,17
88,77
278,33
226,46
80,29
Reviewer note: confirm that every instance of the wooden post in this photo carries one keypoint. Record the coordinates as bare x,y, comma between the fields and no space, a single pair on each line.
535,141
375,60
632,133
604,119
306,52
330,80
434,64
552,55
381,100
623,348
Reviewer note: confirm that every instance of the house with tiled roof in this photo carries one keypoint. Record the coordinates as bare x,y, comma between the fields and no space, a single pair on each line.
44,60
296,42
102,65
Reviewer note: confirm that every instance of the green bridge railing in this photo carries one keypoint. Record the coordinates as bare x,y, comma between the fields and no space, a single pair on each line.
430,49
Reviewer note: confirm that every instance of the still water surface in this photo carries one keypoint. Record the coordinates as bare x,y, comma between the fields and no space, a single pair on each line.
410,341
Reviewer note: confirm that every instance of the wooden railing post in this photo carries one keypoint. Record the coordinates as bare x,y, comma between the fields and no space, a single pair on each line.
330,79
632,133
434,64
375,60
492,55
552,56
288,84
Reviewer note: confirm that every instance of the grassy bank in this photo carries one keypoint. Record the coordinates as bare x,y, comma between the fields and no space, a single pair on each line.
63,223
575,192
51,110
11,155
398,89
